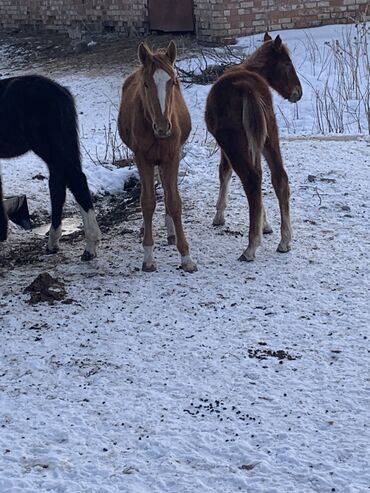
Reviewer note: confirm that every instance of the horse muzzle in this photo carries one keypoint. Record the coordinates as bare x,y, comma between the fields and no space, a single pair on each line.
295,95
162,132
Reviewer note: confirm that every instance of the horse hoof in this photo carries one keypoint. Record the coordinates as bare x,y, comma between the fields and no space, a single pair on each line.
246,258
267,230
149,267
218,222
171,240
87,256
283,248
190,267
52,251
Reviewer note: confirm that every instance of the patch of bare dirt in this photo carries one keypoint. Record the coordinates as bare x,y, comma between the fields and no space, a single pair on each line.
113,213
116,209
26,253
48,53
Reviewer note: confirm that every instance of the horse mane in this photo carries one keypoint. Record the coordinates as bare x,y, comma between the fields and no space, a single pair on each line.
258,60
160,60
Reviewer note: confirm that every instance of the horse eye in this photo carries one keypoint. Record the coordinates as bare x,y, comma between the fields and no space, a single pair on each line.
145,85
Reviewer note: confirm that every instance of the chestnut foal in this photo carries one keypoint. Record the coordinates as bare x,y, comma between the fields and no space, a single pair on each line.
240,115
154,123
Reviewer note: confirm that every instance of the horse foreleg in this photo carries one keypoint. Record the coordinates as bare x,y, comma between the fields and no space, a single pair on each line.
57,189
280,183
148,202
225,172
174,206
3,216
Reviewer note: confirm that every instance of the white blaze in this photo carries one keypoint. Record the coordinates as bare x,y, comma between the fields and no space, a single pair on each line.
161,78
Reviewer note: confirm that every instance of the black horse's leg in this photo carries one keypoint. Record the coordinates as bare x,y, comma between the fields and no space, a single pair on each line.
65,171
57,187
77,183
3,216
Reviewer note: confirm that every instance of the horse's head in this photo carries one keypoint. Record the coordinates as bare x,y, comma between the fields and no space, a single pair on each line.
157,86
281,73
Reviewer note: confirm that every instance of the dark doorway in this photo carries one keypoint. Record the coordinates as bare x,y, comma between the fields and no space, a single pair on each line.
171,15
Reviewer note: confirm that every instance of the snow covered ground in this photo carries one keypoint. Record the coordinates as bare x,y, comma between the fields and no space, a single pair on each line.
242,377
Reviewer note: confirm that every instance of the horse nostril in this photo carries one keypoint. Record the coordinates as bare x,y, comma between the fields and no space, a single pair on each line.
297,94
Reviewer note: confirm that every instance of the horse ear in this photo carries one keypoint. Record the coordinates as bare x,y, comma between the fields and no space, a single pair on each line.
171,51
267,37
144,53
278,43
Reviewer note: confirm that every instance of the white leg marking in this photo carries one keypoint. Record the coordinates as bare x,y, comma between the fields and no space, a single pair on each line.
149,264
161,78
54,236
188,264
92,231
148,254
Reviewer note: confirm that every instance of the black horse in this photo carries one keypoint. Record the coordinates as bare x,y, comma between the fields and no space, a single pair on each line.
39,115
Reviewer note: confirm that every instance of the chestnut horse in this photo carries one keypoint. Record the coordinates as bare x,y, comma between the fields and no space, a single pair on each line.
39,115
240,115
154,123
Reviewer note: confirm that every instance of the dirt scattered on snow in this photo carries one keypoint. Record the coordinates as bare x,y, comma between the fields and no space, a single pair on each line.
262,354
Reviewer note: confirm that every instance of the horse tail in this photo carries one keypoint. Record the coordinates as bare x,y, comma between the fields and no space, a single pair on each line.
69,126
254,119
72,166
3,216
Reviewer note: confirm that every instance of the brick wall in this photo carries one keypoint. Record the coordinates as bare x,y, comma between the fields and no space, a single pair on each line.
215,20
224,19
74,16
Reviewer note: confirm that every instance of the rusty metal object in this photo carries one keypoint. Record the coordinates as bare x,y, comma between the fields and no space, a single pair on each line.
171,15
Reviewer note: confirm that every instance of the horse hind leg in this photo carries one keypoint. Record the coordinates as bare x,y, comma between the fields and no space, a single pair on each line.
251,180
280,183
168,221
266,229
225,172
235,146
57,189
77,183
170,227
